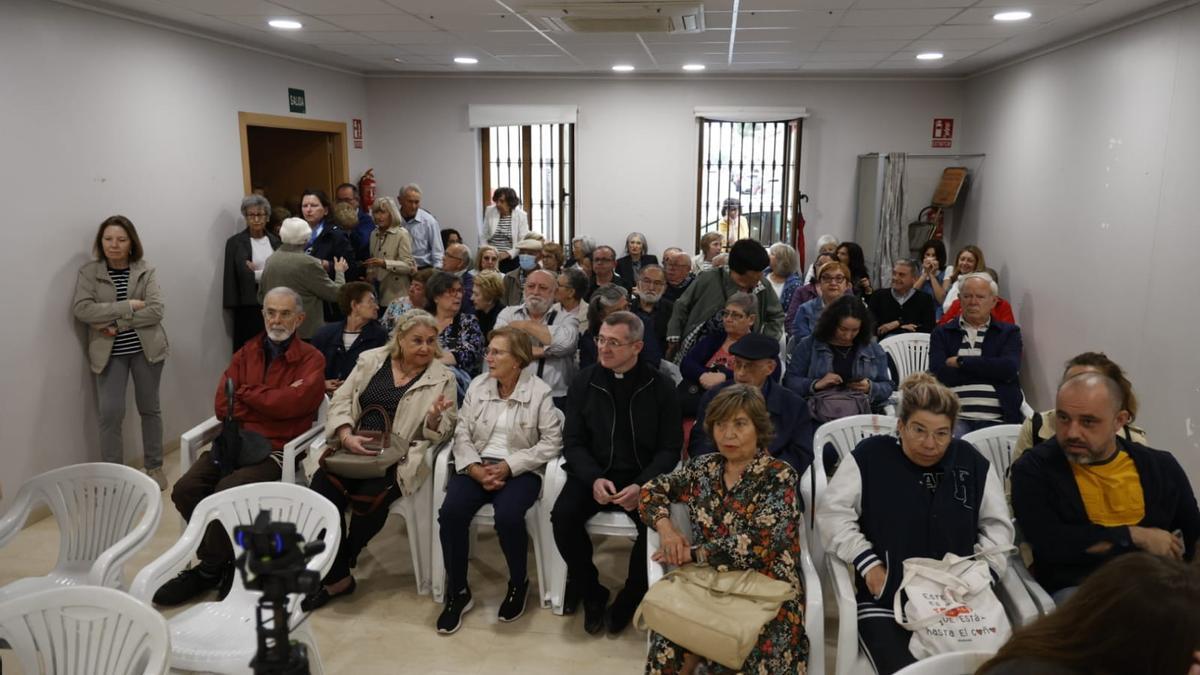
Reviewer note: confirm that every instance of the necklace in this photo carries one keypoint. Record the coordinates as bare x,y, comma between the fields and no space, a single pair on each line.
843,351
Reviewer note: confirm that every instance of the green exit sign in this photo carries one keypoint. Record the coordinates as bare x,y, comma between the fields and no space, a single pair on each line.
296,100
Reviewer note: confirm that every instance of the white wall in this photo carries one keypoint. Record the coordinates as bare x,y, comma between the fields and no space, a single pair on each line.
1086,205
104,116
637,142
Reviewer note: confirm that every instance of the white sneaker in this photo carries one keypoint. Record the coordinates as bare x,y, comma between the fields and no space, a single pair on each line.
158,476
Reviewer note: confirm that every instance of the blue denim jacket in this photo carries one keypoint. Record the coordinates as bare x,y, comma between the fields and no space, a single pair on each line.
812,359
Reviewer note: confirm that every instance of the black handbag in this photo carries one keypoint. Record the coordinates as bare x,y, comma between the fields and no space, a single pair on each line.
236,447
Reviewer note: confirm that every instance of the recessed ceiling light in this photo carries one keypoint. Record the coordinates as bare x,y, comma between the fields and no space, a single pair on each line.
466,60
285,24
929,56
623,68
693,67
1017,15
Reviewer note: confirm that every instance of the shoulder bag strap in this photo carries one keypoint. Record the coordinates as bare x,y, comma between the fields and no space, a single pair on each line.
549,322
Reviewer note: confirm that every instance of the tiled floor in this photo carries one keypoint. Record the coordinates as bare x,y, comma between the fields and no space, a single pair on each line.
385,627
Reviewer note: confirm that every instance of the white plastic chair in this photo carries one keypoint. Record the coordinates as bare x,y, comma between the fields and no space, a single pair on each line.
814,603
909,352
105,514
605,523
194,440
85,629
220,636
996,444
957,663
485,517
416,509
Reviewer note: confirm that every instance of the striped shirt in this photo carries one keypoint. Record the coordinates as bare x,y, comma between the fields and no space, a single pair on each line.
502,237
127,341
978,401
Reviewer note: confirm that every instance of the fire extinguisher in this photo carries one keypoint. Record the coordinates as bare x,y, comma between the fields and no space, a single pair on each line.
366,190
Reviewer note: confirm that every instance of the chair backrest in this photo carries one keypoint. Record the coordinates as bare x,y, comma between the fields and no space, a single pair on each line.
909,352
314,516
85,629
96,505
996,443
954,663
845,433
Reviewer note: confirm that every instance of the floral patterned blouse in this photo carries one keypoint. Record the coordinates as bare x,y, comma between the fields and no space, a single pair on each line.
753,525
463,338
391,315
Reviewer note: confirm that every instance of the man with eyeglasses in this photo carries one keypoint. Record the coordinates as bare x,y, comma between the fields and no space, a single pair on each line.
604,266
756,363
279,383
623,428
832,281
901,309
555,332
246,255
678,266
457,261
980,359
654,309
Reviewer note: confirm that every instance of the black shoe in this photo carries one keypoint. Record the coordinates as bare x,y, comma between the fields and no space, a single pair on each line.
457,604
227,579
593,610
186,586
570,598
321,596
622,610
514,601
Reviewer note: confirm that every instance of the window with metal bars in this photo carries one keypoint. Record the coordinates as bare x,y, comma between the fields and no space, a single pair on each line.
538,161
756,163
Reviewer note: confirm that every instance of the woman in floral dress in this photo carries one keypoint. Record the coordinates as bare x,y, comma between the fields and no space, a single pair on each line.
745,514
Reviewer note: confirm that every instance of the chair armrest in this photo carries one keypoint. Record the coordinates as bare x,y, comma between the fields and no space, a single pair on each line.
654,570
108,569
1026,409
195,438
14,518
296,447
173,560
1041,598
1015,598
847,606
814,613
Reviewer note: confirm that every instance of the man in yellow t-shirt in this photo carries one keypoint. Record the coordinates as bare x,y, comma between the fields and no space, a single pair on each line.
1086,495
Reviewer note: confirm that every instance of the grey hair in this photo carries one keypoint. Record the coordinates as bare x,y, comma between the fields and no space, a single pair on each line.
787,258
577,281
389,205
652,267
642,237
909,263
825,240
982,276
411,187
588,244
604,297
743,301
251,201
284,290
627,319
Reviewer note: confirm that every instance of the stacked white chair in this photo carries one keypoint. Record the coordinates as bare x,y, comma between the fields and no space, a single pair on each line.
485,517
957,663
605,523
194,440
85,629
105,513
1011,591
996,443
220,636
910,354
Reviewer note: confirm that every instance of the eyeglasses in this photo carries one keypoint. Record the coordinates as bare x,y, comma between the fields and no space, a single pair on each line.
920,433
603,342
283,315
730,314
493,352
256,216
838,279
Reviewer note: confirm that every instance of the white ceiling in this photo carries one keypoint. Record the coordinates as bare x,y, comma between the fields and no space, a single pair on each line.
810,37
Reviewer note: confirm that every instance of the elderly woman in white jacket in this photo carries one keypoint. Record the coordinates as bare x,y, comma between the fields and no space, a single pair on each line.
504,224
508,430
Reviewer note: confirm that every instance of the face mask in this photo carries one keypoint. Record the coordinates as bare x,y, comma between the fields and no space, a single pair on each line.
527,261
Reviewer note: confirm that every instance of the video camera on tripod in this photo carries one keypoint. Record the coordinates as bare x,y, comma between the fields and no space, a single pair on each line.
273,562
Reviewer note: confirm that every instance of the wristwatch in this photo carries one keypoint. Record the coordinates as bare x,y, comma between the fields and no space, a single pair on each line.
698,555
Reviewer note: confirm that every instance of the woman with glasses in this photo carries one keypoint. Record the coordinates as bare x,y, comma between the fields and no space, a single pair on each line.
833,281
246,255
508,430
459,335
709,364
877,510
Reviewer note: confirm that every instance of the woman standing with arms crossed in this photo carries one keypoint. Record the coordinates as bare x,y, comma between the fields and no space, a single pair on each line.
117,296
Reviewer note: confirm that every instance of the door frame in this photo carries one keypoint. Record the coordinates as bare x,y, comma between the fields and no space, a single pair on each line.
340,168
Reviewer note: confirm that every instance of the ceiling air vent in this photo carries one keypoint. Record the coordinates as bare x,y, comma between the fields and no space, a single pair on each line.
670,16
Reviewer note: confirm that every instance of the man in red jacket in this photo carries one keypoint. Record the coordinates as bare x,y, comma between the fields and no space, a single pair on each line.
279,383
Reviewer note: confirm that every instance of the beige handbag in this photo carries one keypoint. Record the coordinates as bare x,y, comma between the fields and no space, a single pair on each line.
715,615
339,462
